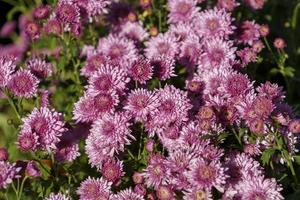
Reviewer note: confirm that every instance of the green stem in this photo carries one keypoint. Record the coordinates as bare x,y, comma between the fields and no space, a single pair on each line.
21,188
295,15
141,141
270,49
12,104
11,2
130,154
15,190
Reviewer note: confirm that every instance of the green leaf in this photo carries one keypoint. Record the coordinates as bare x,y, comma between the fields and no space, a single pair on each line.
266,156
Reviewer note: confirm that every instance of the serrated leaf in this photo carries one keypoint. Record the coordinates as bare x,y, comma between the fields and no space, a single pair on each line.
266,156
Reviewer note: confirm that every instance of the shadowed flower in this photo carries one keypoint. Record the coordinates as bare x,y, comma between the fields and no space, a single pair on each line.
40,68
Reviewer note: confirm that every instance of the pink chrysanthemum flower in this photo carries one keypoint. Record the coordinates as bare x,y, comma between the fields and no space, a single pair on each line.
182,10
190,51
32,30
58,196
28,141
112,170
163,45
141,70
67,12
112,130
247,55
262,107
142,104
126,194
174,106
133,31
42,12
181,31
214,23
237,84
258,188
46,124
163,68
107,79
53,26
121,51
217,53
164,192
3,154
23,84
271,91
190,133
7,67
91,189
67,153
7,173
196,194
294,126
90,107
157,173
40,68
255,4
248,32
228,5
207,175
93,63
94,8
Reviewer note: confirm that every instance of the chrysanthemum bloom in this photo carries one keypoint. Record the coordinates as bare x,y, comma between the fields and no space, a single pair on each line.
134,31
7,173
141,70
207,175
145,3
182,10
247,55
190,51
44,123
8,28
40,68
197,193
205,113
142,104
248,32
94,8
93,63
58,196
164,192
112,130
157,173
174,106
195,85
228,5
258,46
107,79
126,194
150,145
3,154
140,189
112,170
120,50
214,23
264,30
279,43
67,153
137,178
190,133
163,45
217,54
7,67
237,84
32,170
90,107
67,12
92,188
27,141
271,91
258,188
183,30
23,84
76,29
163,68
262,107
255,4
42,12
294,126
32,30
53,26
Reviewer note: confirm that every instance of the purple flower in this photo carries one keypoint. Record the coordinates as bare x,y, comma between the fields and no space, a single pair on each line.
182,10
142,104
93,63
163,68
67,153
44,124
255,4
137,178
67,12
214,23
228,5
134,31
94,8
163,45
112,170
23,84
7,67
248,32
190,51
164,192
141,70
237,84
53,26
294,126
32,30
42,12
32,170
8,28
197,193
40,68
126,195
91,189
58,196
3,154
7,173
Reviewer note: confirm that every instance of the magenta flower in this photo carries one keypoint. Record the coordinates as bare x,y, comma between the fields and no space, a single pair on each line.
32,30
93,63
23,84
255,4
32,170
67,12
7,173
7,67
248,32
3,154
42,12
28,141
134,31
163,68
228,5
40,68
182,10
58,196
67,153
164,193
53,26
197,193
91,189
141,70
112,171
126,195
